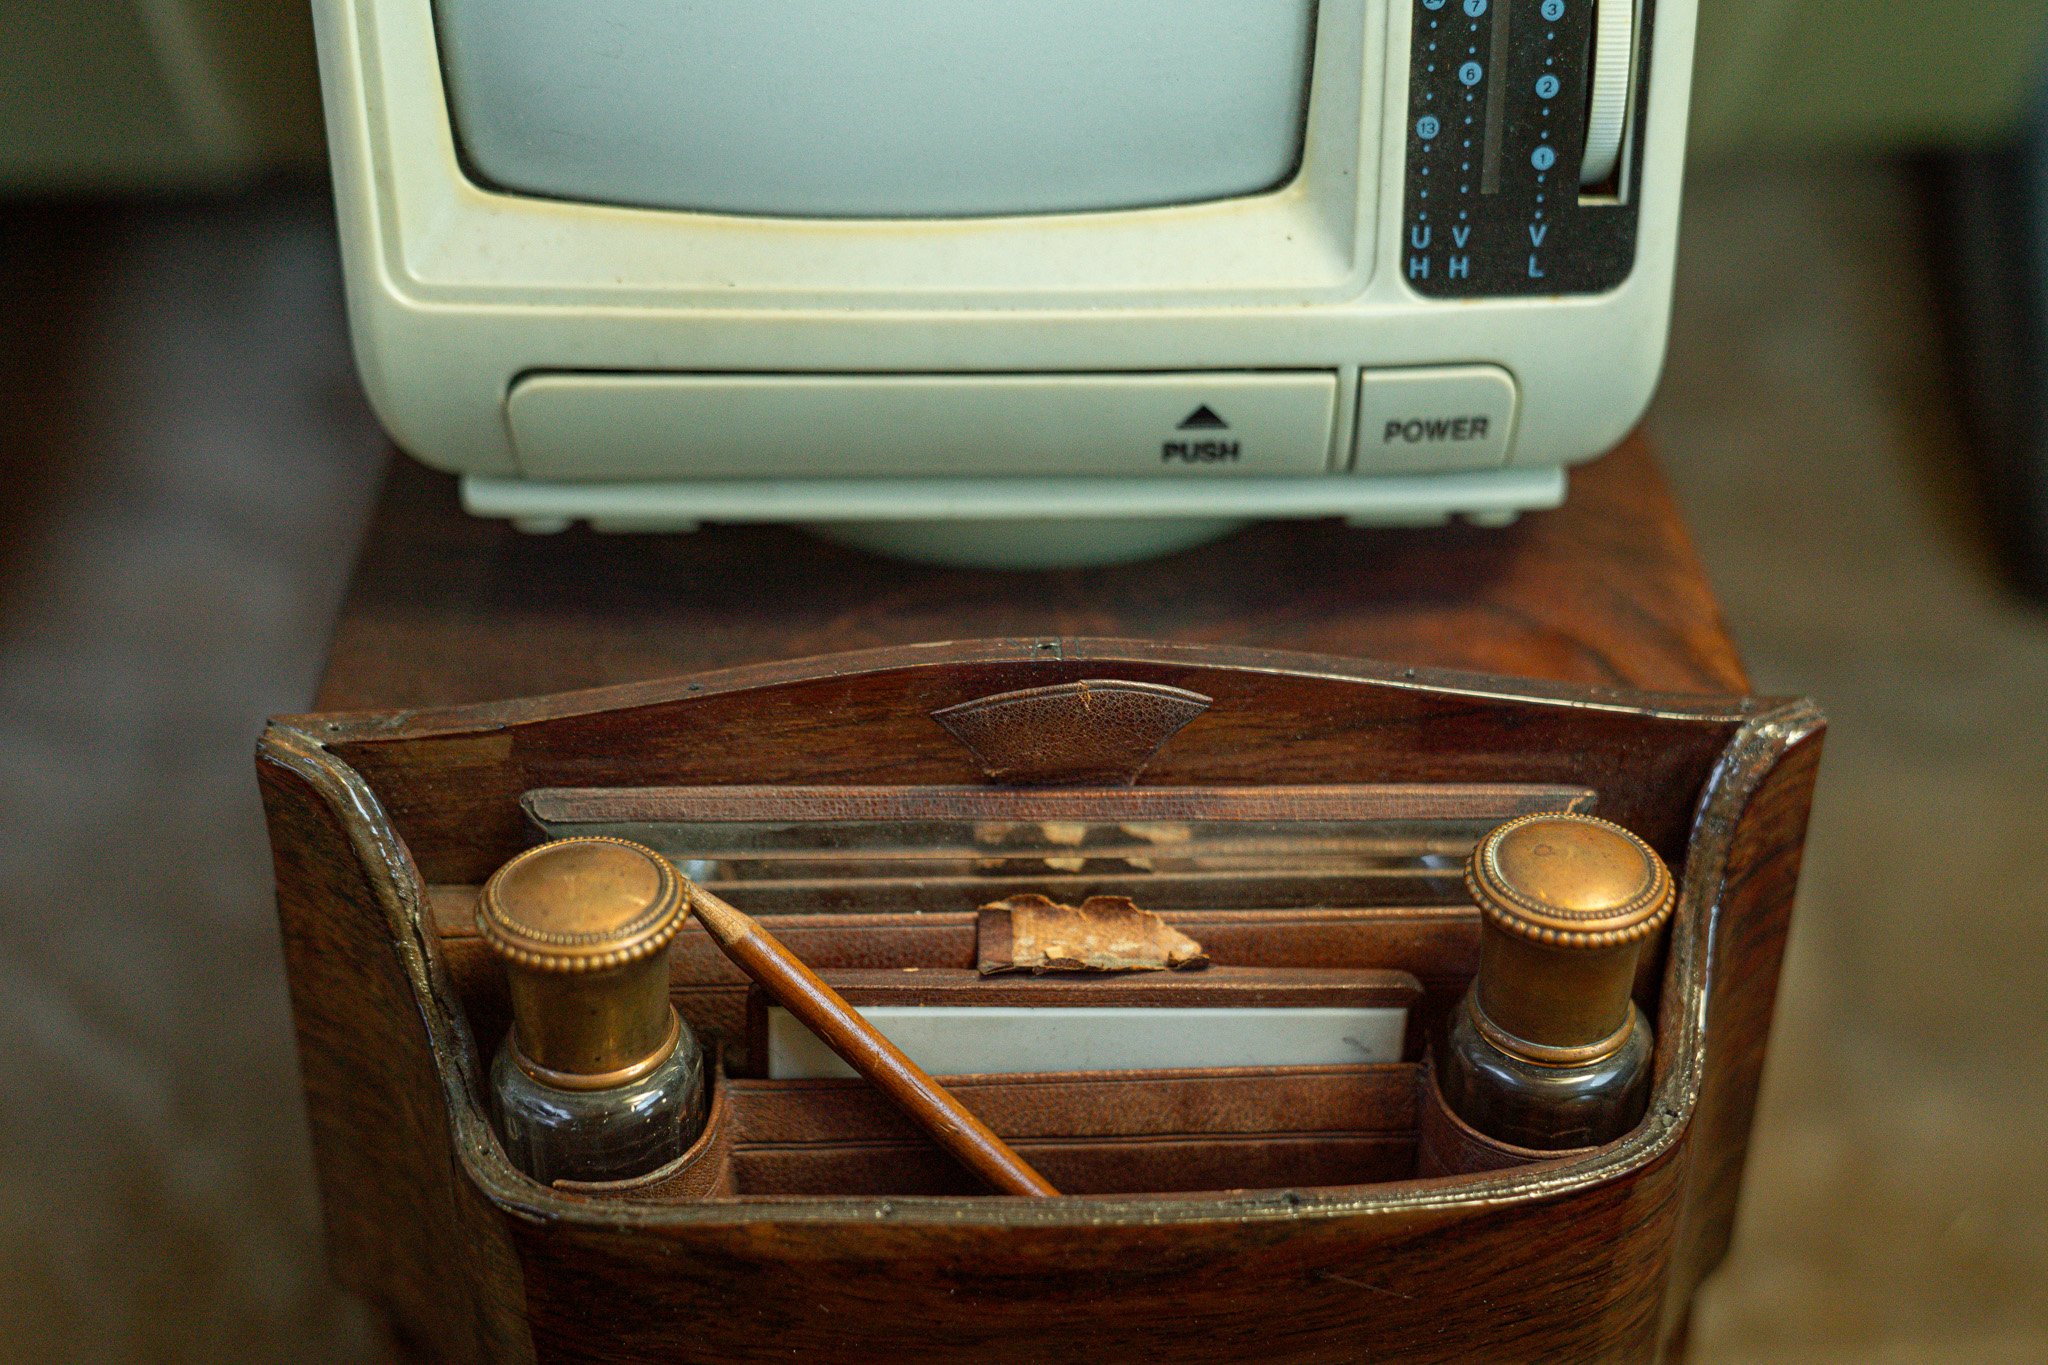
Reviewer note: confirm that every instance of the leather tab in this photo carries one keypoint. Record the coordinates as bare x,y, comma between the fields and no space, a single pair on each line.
1093,732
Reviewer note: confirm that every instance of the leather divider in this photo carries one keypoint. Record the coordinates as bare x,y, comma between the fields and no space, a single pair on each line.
1164,1132
703,1172
1127,1132
1447,1145
1438,945
1130,1132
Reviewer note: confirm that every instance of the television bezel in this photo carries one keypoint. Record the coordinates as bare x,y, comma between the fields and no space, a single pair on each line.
1312,239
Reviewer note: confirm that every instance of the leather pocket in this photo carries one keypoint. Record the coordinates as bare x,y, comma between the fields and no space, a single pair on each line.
1447,1145
1150,1132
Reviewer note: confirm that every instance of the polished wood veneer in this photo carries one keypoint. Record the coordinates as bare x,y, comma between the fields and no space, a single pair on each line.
1604,591
383,821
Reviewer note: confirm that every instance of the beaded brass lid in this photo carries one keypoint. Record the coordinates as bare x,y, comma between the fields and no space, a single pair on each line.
1570,881
582,905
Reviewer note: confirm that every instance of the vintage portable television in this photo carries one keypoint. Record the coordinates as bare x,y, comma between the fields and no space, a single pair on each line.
935,273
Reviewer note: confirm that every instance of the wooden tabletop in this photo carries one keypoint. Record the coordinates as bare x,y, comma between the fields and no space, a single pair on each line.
447,609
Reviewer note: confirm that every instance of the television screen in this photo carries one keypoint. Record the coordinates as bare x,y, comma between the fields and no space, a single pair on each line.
879,108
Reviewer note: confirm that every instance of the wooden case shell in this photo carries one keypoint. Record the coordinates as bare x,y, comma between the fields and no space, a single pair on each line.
1584,1256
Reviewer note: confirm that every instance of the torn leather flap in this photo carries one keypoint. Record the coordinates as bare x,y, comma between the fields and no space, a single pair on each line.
1102,934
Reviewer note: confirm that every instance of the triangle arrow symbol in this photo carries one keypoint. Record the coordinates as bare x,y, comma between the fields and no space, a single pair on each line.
1204,418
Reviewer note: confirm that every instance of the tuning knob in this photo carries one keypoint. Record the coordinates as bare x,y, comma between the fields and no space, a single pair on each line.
1608,78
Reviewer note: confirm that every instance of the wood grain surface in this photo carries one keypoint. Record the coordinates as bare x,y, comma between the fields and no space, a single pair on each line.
1606,590
1625,685
1593,1257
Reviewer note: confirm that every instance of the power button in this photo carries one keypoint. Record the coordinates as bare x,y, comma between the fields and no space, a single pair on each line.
1434,421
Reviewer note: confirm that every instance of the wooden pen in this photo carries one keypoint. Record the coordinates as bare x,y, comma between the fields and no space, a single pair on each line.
861,1045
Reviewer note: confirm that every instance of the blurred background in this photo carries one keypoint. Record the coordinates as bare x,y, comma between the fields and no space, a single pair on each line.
1851,415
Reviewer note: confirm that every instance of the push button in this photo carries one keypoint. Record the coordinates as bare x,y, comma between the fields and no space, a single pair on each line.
580,427
1434,421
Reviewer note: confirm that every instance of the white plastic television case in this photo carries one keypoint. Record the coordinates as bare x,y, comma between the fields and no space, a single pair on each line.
932,274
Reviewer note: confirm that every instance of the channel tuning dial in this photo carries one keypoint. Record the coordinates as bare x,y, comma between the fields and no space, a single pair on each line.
1614,40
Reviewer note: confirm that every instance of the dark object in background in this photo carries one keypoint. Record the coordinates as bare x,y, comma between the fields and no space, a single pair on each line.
599,1079
1547,1050
1988,227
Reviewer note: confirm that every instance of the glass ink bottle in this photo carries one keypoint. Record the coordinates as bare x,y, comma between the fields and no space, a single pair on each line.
599,1078
1548,1050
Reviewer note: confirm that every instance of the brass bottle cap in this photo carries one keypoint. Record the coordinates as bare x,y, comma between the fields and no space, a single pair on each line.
584,927
1567,903
582,905
1570,881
